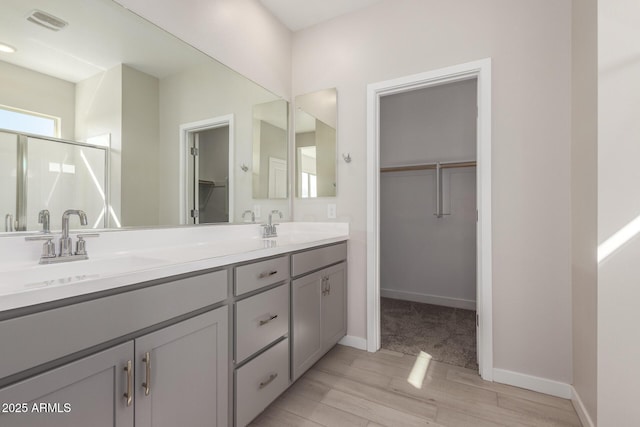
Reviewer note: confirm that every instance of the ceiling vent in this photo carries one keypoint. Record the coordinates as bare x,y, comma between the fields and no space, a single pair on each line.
46,20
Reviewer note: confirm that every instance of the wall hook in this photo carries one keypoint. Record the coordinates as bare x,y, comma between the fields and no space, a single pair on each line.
244,167
347,157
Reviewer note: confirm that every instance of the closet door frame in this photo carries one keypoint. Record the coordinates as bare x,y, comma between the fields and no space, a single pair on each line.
480,70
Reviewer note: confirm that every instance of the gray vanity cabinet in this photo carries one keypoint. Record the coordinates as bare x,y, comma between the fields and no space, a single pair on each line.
177,376
319,314
181,373
319,305
307,320
87,392
334,306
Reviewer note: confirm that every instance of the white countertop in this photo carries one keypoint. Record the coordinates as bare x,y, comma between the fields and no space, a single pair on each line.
121,258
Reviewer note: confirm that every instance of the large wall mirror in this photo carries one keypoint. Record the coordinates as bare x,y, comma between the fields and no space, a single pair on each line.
110,114
315,144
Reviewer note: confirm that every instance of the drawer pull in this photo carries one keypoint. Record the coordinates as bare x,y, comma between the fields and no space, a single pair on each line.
264,322
267,382
147,382
129,394
267,274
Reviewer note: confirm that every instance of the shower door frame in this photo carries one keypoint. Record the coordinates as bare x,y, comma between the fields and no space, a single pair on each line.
480,70
22,169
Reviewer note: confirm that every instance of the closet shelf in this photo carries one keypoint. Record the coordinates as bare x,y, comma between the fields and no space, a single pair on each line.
426,166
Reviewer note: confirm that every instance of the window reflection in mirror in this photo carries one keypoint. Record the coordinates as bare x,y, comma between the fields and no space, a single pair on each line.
315,143
270,129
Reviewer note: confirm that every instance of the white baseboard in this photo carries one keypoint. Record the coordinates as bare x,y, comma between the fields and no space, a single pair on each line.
428,299
585,419
355,342
542,385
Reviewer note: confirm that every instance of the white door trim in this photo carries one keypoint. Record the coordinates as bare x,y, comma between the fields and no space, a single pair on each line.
481,70
183,156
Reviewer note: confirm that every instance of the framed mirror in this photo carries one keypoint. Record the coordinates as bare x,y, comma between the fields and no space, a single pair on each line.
316,144
114,85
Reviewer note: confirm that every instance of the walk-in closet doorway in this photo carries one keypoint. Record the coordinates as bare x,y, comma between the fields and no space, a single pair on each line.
428,222
429,227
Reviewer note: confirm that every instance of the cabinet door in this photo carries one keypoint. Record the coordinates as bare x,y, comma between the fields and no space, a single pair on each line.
306,313
182,373
334,306
88,392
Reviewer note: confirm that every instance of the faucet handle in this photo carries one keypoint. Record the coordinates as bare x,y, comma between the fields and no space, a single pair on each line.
81,244
43,218
40,237
48,248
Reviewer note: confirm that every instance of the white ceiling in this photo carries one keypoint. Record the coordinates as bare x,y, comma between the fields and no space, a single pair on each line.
300,14
101,34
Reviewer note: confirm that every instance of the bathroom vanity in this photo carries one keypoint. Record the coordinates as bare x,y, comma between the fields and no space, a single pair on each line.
208,334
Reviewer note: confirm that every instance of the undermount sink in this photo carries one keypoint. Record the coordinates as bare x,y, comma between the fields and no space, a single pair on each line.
42,276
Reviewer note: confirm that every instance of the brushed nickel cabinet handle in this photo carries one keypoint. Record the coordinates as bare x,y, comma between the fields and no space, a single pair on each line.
325,285
267,274
147,382
267,382
129,394
264,322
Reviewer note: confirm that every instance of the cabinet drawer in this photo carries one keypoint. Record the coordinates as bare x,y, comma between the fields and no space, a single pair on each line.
260,381
315,259
260,320
254,276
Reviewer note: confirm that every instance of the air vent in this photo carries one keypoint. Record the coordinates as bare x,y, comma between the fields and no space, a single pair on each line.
46,20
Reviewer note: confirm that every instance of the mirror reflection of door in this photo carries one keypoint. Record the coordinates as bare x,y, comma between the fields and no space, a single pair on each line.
277,178
209,176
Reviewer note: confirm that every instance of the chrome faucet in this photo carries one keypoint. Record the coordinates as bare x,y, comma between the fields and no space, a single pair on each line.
43,218
66,253
269,229
65,240
249,211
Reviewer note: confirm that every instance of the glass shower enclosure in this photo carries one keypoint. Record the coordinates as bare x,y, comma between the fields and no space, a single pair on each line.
40,173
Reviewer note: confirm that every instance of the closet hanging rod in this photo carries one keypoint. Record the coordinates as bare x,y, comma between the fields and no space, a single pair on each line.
426,166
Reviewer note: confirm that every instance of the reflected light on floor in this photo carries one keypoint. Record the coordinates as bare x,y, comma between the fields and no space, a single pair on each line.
419,370
621,237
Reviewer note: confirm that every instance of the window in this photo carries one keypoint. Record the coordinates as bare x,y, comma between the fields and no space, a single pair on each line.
29,122
308,183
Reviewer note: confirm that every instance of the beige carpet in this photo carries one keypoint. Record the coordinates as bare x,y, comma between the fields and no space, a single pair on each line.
447,334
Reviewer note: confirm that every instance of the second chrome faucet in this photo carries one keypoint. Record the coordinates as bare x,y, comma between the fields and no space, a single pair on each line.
269,229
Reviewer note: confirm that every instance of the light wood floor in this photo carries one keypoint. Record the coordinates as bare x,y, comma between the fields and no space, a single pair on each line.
350,387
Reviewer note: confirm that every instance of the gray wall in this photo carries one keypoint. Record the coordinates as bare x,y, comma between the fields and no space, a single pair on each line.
326,159
422,257
32,91
530,46
140,192
584,185
618,206
272,144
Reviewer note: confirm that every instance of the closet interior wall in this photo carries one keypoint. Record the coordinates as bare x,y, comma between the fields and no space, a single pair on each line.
424,258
